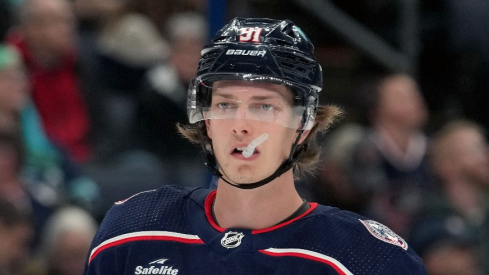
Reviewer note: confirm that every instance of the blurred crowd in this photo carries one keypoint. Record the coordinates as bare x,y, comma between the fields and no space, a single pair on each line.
90,94
431,187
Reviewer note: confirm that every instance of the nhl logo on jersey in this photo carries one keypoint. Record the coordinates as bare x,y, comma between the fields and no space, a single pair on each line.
232,239
383,233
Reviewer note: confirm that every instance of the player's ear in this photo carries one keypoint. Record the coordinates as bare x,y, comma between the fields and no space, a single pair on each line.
304,136
207,127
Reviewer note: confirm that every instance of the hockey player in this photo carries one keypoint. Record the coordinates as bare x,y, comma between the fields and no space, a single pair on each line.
254,108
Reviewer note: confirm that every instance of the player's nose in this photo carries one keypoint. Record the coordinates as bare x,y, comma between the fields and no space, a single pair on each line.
242,126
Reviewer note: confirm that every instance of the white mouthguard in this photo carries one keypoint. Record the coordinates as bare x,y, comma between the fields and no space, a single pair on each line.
248,150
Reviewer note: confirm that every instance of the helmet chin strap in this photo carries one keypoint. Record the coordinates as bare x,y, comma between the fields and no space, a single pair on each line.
294,156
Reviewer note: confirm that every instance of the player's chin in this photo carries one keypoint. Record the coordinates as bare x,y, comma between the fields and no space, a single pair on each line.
245,175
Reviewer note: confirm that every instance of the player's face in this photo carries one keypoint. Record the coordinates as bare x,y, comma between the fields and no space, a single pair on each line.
249,102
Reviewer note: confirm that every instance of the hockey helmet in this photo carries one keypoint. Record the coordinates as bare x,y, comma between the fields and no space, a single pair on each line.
263,50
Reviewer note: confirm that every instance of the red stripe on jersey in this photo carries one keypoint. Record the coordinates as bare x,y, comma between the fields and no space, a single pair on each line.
208,212
145,236
312,206
310,255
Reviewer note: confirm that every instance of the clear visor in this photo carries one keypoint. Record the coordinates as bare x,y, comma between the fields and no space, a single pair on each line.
256,101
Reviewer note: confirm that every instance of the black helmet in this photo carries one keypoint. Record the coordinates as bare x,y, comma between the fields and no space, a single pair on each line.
259,49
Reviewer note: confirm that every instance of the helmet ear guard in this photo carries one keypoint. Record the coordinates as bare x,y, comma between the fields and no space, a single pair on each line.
261,50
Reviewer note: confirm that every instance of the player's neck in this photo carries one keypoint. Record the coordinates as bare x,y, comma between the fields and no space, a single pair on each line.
257,208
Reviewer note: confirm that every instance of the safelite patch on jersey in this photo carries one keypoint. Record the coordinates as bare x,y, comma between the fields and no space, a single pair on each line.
384,233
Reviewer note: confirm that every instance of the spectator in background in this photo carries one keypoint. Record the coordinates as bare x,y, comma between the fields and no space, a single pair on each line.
16,233
187,33
389,165
91,16
13,89
152,152
45,36
33,173
65,242
445,248
163,99
19,153
44,168
334,181
129,44
460,160
146,109
38,200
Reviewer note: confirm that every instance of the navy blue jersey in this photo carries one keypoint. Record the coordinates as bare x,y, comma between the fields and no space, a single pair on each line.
171,231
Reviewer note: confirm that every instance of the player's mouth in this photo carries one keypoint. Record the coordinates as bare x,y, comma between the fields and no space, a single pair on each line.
238,152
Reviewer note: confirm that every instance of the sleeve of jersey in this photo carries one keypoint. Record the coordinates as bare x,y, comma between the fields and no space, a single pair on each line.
127,217
124,217
105,262
408,263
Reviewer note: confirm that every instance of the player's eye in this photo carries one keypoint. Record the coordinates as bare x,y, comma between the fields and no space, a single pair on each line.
267,107
223,105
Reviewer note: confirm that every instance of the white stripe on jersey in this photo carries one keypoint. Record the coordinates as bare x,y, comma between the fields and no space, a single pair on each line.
307,254
144,235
